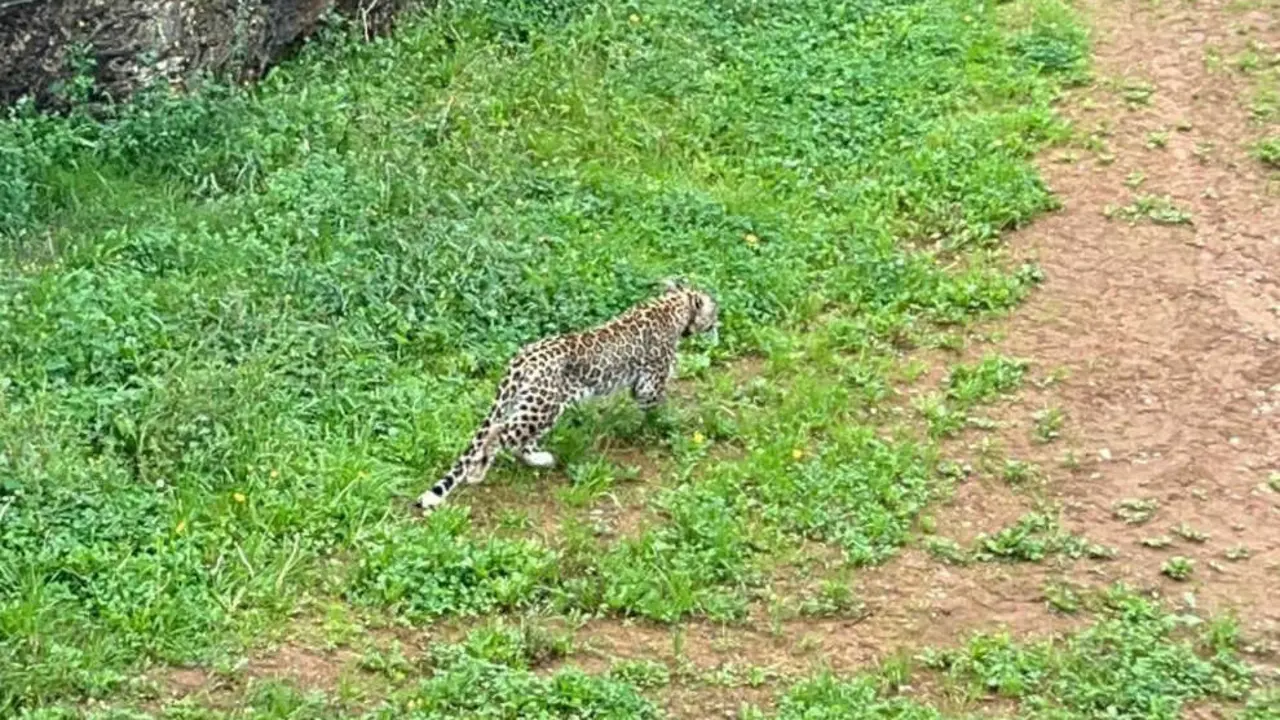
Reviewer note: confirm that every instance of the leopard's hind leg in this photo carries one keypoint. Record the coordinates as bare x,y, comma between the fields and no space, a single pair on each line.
533,418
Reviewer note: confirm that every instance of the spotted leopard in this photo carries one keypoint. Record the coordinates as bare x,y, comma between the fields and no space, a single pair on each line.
635,350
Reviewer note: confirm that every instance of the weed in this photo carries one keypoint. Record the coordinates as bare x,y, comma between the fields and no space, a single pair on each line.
827,696
458,671
942,419
1137,92
833,598
390,662
1062,597
862,494
437,568
1032,538
947,550
519,646
1188,533
1221,634
928,524
1160,210
1157,140
1178,568
1131,663
1268,151
1235,553
1048,424
701,562
1265,103
1249,60
808,644
894,672
1135,179
1069,460
1057,48
995,375
515,520
1018,472
1135,511
641,673
1263,705
1213,61
1055,377
589,481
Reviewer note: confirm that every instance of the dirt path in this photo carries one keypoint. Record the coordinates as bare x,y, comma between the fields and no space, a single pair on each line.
1170,333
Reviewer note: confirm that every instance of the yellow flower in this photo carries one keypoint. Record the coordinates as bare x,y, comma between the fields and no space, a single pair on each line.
182,527
751,239
275,474
238,497
797,453
698,438
635,19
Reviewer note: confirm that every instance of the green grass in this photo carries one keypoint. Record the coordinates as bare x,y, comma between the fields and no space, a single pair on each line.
1267,151
1178,568
1047,424
1159,209
947,413
239,330
985,380
1135,662
1135,511
1032,538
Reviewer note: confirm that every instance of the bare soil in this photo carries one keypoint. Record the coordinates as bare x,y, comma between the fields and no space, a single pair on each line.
1170,334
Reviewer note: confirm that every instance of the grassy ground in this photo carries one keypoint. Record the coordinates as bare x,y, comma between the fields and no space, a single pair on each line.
240,330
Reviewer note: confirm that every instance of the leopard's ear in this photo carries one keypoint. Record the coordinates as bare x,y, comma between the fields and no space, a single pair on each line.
672,284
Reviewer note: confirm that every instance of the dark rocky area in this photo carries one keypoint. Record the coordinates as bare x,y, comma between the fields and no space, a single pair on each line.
131,42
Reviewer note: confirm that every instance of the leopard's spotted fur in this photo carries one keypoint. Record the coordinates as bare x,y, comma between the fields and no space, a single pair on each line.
636,350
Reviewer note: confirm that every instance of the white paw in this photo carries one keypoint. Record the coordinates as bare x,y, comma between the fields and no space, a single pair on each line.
429,501
539,459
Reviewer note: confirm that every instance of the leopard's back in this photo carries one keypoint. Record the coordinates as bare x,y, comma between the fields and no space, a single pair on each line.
602,360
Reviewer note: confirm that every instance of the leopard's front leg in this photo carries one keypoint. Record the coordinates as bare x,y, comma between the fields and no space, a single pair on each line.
650,387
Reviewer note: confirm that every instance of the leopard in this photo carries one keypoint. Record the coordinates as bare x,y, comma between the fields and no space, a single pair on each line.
635,350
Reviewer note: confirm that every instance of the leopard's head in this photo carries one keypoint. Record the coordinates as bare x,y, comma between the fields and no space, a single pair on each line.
704,312
705,315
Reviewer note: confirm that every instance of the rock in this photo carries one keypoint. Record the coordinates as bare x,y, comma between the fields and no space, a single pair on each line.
131,42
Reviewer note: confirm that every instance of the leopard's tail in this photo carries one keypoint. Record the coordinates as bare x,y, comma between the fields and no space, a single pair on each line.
474,462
